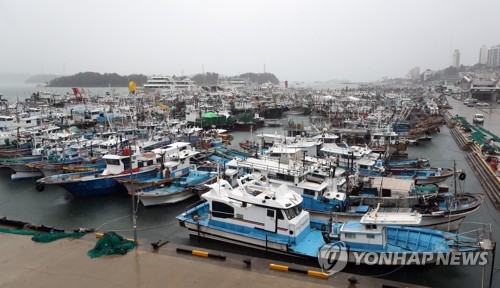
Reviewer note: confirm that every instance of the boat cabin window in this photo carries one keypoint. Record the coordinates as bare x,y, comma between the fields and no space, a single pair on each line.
270,213
293,212
370,236
370,226
309,192
282,176
112,161
222,210
350,236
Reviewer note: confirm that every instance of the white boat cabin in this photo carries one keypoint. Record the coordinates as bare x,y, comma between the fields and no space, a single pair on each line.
276,210
118,164
371,231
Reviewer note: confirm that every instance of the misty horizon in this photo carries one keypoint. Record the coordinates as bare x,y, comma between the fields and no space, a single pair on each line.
295,40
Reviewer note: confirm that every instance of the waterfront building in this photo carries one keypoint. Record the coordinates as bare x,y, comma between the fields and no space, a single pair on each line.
483,54
413,74
493,56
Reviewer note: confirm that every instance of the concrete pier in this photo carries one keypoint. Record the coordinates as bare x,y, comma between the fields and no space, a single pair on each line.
64,263
488,176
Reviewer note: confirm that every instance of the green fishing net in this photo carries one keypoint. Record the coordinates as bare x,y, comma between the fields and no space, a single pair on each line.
111,243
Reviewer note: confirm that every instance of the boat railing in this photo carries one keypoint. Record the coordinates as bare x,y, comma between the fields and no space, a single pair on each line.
297,170
194,205
482,232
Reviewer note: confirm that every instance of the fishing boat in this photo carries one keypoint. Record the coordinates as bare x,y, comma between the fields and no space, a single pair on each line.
173,182
138,166
179,189
272,220
401,163
349,157
386,235
422,176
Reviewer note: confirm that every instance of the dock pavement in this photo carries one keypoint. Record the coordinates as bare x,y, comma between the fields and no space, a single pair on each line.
64,263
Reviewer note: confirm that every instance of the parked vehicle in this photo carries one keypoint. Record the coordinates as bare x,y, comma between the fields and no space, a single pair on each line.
478,119
482,105
469,101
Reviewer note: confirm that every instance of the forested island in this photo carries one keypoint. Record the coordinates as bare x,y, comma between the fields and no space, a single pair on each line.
93,79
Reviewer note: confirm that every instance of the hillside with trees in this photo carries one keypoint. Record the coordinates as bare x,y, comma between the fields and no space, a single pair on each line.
92,79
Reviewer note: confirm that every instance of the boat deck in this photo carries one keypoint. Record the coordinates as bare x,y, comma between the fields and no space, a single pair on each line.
310,244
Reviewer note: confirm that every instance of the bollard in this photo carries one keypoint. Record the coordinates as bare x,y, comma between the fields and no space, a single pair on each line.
202,253
312,273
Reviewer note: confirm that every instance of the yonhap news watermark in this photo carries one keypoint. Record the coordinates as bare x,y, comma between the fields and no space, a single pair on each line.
335,257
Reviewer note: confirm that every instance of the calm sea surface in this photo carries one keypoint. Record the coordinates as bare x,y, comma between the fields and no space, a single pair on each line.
55,207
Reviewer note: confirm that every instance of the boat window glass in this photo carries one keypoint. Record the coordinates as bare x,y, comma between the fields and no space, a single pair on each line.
350,235
309,192
297,209
290,213
126,160
370,236
112,161
222,210
270,213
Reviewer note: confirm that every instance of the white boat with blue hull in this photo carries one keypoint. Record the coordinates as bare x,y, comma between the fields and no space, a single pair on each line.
271,220
175,191
137,167
384,234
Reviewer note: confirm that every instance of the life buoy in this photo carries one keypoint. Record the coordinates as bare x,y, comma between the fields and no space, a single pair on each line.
407,141
462,176
397,142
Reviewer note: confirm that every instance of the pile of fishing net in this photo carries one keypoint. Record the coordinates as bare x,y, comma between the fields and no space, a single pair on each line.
43,237
111,243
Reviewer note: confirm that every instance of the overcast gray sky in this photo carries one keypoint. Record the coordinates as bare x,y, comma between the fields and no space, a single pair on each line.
296,40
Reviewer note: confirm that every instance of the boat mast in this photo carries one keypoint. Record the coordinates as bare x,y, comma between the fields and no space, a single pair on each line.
455,176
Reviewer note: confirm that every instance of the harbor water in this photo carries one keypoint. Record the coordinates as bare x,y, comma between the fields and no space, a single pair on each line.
56,207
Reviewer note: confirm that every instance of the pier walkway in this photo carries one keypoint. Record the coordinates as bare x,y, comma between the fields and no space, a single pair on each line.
470,137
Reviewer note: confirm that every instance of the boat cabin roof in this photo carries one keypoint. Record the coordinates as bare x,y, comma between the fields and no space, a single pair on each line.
391,218
116,157
281,197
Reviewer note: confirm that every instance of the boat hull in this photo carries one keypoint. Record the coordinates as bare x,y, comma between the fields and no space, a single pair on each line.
22,175
232,238
152,199
95,186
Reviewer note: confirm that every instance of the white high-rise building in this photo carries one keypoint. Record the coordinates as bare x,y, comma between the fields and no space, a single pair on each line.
483,54
493,56
456,59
